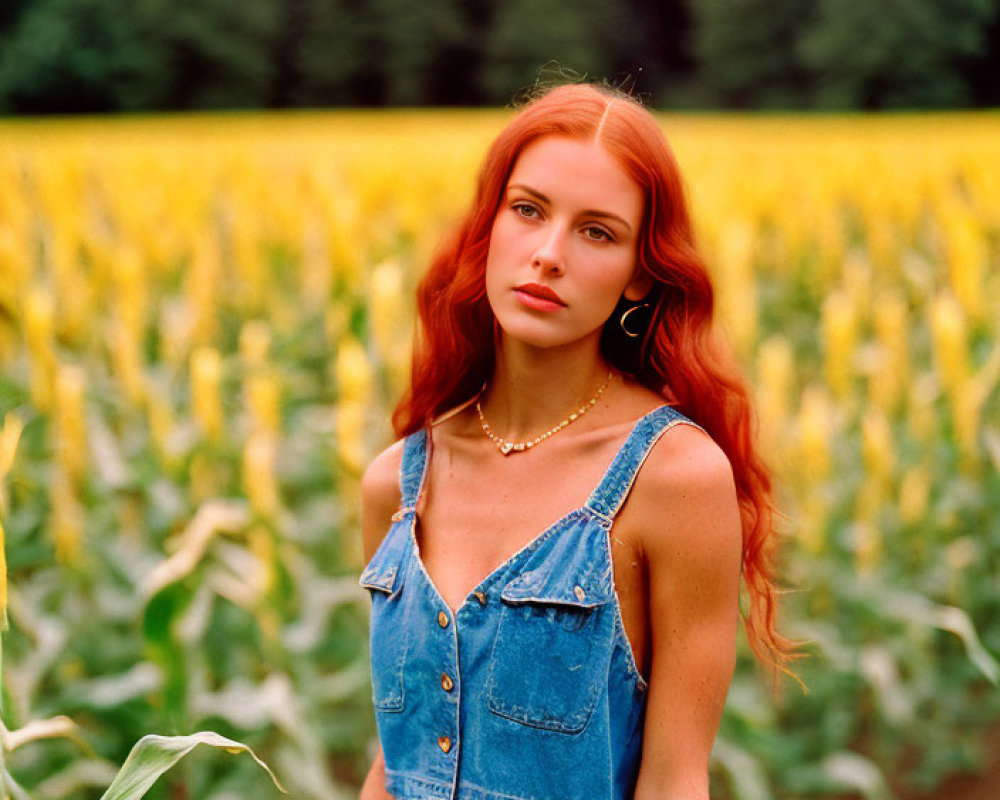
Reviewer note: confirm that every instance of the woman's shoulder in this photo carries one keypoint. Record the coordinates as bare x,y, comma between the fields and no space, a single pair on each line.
381,478
380,495
685,495
686,457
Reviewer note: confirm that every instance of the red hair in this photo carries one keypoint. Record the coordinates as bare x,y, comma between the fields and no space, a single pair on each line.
679,356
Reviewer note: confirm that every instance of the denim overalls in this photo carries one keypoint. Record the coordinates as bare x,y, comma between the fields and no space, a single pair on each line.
530,690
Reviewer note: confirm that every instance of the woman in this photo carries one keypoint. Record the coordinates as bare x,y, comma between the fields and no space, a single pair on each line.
556,545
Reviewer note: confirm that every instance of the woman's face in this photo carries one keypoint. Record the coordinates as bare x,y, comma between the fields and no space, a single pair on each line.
563,244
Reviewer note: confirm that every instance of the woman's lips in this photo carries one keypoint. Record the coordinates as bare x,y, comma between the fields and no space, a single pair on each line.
538,297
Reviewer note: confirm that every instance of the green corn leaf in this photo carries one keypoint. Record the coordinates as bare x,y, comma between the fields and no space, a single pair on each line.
153,755
914,607
11,789
746,776
854,771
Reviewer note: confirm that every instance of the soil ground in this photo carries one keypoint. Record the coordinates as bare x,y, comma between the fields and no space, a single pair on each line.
985,786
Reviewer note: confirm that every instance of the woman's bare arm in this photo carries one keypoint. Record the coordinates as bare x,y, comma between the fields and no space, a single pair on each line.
685,504
379,501
374,785
379,497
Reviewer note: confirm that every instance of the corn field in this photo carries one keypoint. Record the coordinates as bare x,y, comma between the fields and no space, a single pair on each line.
204,323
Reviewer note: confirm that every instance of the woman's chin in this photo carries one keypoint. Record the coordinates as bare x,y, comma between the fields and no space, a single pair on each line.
547,337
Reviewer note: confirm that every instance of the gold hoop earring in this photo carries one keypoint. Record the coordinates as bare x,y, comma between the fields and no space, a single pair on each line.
624,317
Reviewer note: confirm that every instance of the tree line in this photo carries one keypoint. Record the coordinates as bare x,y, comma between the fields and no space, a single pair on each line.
71,56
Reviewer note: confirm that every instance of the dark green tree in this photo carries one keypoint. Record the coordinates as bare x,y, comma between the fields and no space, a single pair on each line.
336,60
747,52
77,55
220,54
416,41
110,55
982,71
10,12
895,53
63,56
584,38
661,56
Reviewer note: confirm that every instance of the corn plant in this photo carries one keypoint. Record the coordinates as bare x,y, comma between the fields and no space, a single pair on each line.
204,322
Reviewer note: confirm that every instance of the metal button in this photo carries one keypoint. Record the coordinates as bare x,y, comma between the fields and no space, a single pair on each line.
480,597
442,619
444,743
446,682
580,594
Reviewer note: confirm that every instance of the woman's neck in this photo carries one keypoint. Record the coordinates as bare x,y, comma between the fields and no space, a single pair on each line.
534,389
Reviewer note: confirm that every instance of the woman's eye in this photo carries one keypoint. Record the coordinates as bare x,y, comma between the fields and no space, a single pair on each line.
598,234
525,210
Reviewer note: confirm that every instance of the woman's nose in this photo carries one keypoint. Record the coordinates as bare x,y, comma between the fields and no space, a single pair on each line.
549,255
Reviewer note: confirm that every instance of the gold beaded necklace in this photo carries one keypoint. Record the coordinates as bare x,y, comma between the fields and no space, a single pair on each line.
507,447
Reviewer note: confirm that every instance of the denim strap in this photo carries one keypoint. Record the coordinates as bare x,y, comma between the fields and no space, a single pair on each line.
614,487
411,470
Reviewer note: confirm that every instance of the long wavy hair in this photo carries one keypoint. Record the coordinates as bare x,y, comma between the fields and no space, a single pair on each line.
677,355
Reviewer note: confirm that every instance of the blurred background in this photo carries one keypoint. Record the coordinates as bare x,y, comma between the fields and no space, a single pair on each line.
212,220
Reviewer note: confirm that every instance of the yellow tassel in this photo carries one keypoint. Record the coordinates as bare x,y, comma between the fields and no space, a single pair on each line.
840,338
262,392
867,541
132,301
10,436
255,341
891,327
775,370
260,540
353,371
206,377
317,270
914,494
967,258
387,305
126,357
737,284
355,385
816,424
259,456
39,316
391,323
877,448
204,275
4,624
921,419
72,289
67,519
949,340
70,421
967,407
161,429
857,283
351,427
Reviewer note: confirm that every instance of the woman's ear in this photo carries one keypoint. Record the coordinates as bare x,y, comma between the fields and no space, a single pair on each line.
640,285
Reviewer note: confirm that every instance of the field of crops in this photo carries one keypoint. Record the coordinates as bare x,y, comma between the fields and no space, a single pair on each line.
204,322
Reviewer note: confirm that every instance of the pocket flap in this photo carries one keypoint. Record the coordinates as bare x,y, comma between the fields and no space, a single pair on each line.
384,573
382,578
550,586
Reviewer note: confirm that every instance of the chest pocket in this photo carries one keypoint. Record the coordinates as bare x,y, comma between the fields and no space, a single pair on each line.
550,658
383,578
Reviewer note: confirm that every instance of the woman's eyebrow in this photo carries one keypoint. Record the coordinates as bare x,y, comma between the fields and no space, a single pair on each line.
590,212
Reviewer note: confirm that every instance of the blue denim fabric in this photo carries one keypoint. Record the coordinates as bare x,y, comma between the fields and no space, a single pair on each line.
530,690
